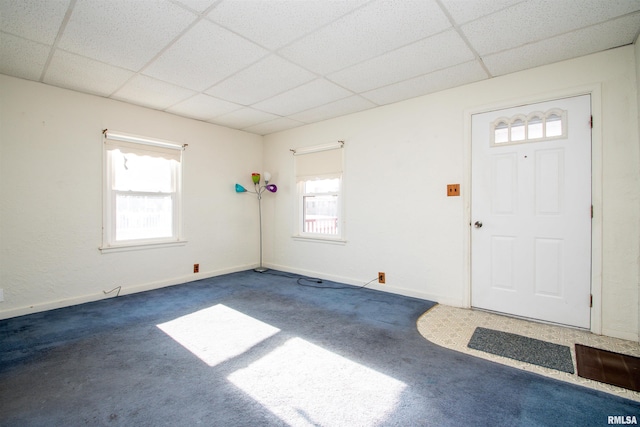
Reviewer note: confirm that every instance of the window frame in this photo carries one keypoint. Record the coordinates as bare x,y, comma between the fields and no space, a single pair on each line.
302,194
109,242
299,216
544,117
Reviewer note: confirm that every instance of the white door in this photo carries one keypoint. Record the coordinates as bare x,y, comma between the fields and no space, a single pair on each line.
531,211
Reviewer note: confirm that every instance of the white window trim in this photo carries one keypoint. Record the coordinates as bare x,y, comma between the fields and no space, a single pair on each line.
311,238
109,244
299,234
141,245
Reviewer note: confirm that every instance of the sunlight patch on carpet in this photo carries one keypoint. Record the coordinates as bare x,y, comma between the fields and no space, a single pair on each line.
217,333
306,385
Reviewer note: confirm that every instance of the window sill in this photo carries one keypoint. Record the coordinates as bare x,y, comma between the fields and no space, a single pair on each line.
141,246
319,240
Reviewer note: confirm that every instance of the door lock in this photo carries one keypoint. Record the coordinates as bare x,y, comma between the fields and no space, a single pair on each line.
478,224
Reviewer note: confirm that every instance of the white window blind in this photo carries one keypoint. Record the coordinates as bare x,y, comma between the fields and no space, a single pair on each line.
321,164
141,149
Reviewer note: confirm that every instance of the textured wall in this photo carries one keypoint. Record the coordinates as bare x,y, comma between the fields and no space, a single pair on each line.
51,198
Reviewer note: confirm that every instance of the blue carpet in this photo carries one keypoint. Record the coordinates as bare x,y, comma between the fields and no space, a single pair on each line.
330,357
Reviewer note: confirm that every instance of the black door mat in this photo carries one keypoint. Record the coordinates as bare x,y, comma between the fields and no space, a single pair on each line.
608,367
521,348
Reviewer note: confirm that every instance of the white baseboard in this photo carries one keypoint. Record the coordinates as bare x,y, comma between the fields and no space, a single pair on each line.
124,290
441,299
135,288
623,335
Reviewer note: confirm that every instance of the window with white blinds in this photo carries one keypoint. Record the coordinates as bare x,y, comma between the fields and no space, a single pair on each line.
319,183
142,194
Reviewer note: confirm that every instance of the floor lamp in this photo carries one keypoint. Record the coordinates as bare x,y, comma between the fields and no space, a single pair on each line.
258,190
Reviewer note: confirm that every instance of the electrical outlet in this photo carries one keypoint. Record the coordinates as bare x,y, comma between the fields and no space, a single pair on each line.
453,190
196,268
382,278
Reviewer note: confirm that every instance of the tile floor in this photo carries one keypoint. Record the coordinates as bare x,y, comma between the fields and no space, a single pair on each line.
453,327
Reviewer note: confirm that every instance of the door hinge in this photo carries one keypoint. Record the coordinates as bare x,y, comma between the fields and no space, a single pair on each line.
591,211
591,300
591,122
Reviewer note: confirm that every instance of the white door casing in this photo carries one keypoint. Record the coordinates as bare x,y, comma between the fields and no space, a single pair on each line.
531,254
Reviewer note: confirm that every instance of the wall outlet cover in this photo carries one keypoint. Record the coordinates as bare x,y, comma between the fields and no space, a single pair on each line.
453,190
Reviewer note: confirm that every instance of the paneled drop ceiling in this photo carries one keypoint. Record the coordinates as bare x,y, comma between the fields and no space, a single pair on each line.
269,65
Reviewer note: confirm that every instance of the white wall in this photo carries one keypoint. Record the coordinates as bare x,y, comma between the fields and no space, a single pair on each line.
51,199
399,159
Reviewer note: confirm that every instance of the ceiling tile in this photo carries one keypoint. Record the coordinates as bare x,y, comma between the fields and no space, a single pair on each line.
85,75
35,20
309,95
600,37
123,33
203,107
276,23
22,58
152,93
429,83
206,54
463,11
372,30
334,109
535,20
427,55
272,126
243,118
268,77
198,6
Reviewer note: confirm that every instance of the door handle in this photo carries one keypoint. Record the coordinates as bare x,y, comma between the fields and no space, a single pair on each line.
478,224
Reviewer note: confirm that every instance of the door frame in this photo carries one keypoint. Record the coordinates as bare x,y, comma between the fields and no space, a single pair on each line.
596,187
